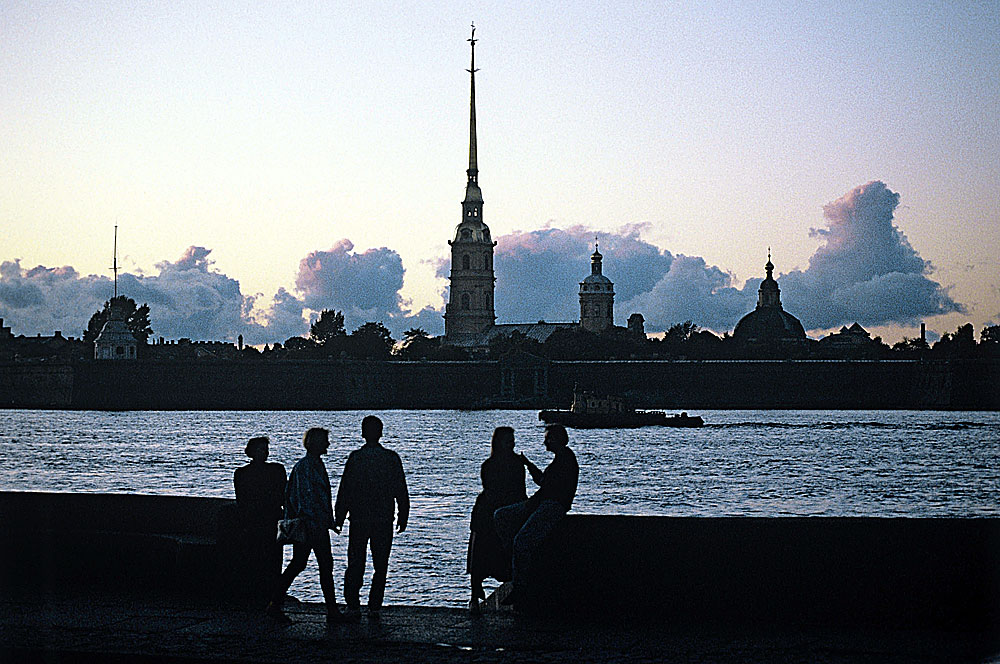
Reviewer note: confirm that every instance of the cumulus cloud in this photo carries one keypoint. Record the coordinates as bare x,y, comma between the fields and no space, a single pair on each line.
365,286
187,298
538,275
43,299
539,272
865,269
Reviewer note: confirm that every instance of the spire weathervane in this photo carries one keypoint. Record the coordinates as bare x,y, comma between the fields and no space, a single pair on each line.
114,265
473,165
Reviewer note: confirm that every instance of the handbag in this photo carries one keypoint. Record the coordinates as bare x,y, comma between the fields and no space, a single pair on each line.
291,531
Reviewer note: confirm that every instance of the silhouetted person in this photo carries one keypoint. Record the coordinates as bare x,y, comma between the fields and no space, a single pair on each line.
503,484
524,526
308,497
371,488
260,498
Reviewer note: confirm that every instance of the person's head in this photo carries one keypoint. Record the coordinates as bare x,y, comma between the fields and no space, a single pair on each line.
503,441
371,429
316,440
257,448
556,437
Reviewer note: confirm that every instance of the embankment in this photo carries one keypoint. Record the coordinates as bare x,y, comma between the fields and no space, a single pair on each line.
871,572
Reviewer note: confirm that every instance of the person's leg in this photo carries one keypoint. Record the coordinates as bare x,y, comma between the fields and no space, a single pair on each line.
324,560
530,538
300,556
357,550
508,521
381,539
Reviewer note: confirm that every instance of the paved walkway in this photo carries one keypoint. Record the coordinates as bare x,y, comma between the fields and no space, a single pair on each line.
111,630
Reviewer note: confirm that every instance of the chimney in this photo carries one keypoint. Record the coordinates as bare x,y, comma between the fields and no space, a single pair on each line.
239,342
923,332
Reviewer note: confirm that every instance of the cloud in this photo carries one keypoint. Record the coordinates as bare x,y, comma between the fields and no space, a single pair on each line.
365,286
539,272
187,298
865,270
43,299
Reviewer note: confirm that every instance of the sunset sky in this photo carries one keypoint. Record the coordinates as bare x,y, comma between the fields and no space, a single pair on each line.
267,160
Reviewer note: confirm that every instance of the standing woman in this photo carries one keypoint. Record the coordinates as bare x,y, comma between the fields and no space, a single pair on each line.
503,484
308,497
260,496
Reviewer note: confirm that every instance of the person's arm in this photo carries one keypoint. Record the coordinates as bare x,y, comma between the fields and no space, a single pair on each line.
343,498
536,474
402,500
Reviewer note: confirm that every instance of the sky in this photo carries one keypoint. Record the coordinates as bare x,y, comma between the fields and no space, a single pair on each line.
264,161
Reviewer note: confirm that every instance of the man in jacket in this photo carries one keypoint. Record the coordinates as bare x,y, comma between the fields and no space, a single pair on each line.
524,526
372,487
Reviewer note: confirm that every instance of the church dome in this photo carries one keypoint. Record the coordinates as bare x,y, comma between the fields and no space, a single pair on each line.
769,324
769,321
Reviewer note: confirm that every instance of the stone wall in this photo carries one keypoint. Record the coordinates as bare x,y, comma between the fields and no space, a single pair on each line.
864,572
673,385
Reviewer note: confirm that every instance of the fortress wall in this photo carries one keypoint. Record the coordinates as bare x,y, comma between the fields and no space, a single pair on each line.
786,384
349,384
36,385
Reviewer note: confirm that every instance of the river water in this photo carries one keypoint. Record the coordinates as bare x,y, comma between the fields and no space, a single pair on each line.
743,462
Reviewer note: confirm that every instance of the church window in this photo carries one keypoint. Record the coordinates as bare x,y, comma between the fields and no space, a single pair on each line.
466,234
119,350
465,261
466,305
610,311
475,213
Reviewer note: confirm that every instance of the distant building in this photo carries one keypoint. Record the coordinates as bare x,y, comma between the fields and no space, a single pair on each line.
769,323
597,298
469,311
115,341
851,337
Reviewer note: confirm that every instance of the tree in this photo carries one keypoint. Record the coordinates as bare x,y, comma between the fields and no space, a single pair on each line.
908,345
371,341
136,318
299,343
329,326
990,335
417,345
679,333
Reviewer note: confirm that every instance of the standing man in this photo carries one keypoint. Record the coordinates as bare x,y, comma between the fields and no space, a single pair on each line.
371,488
524,526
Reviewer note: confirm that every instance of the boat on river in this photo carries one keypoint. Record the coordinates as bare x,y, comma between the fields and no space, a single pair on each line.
592,411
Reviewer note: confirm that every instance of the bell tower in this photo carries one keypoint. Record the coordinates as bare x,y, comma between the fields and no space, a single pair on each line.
470,300
597,297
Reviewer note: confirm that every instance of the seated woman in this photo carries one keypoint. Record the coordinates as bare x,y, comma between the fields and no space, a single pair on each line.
503,484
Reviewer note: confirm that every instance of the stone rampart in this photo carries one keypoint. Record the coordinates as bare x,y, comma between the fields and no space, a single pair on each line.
351,384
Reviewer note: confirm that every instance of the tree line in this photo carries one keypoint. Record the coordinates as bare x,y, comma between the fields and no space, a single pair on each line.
328,339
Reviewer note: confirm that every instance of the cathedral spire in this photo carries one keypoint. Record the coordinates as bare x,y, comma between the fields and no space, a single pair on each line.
473,165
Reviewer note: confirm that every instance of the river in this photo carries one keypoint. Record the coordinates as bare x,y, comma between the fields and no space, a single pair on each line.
743,462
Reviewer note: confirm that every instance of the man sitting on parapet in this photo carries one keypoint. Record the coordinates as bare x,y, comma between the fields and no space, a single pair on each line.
524,526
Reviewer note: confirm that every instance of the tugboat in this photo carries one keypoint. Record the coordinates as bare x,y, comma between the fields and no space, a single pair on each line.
591,411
